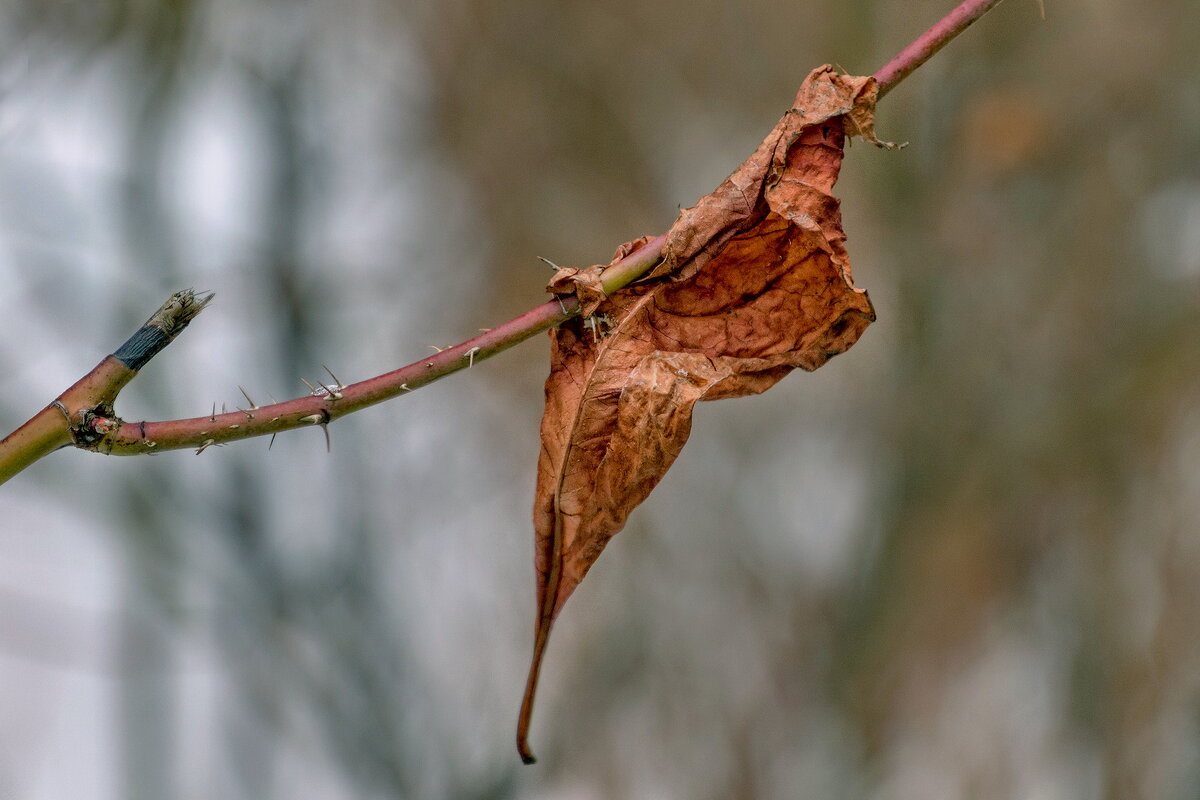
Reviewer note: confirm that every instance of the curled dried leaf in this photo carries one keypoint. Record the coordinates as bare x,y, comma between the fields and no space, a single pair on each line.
583,283
754,282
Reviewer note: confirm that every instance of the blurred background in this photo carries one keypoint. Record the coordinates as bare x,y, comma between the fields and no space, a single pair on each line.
961,561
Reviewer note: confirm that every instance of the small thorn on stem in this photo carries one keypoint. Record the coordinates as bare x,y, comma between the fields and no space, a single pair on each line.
323,421
321,390
253,405
470,356
336,382
553,266
439,349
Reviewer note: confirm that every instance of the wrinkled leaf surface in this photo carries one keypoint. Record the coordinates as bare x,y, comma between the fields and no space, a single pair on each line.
754,282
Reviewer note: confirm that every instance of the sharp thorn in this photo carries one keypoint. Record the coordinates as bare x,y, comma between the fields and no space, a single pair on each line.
253,405
553,266
311,388
335,377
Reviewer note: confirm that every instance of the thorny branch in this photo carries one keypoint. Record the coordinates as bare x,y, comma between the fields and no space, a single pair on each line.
83,415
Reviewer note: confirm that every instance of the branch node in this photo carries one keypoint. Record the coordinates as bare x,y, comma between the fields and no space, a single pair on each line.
321,390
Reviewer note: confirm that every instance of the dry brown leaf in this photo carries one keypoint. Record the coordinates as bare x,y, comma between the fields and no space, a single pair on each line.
755,281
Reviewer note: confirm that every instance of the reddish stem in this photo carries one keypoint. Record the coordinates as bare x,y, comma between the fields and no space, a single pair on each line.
930,42
136,438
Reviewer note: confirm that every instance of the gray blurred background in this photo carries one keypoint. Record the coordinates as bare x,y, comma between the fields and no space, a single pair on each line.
961,561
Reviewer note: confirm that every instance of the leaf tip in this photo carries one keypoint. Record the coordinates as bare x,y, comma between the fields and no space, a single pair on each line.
526,715
523,748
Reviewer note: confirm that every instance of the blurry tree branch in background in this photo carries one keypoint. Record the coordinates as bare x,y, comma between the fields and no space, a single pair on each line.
84,416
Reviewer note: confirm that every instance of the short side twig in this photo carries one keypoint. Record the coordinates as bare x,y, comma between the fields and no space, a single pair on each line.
82,415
